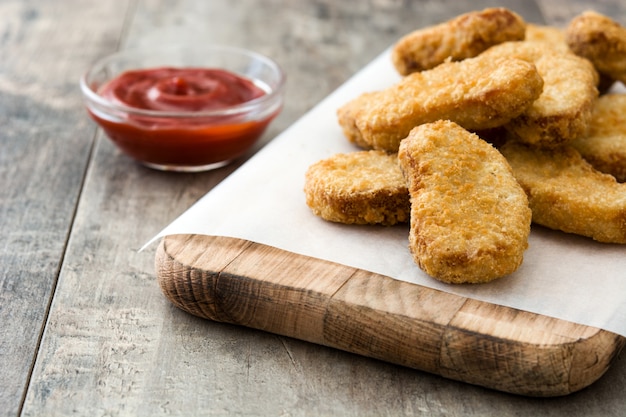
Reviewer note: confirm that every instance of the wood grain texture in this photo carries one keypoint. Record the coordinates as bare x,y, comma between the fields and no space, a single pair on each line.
41,118
257,286
74,211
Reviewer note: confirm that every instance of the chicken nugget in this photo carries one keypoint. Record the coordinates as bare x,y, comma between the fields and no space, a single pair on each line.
477,93
605,145
563,111
554,37
601,40
470,219
463,37
364,187
551,35
566,193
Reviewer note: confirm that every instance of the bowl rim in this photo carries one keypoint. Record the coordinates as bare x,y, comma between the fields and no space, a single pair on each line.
242,108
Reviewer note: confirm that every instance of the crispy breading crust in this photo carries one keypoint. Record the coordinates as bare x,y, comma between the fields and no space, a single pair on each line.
477,93
566,193
605,145
563,111
470,219
365,187
464,36
601,40
553,36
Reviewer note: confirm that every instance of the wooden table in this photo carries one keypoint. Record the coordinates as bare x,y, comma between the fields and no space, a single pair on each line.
84,327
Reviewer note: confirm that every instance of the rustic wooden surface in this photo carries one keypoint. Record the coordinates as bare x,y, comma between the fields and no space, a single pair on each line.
84,327
239,282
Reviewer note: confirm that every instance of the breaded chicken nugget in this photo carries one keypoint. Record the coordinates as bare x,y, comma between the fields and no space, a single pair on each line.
605,145
566,193
365,187
477,93
601,40
553,36
463,37
563,111
470,219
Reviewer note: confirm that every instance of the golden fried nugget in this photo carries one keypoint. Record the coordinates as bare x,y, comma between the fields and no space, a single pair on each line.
605,145
364,187
470,219
601,40
552,36
566,193
463,37
563,111
555,38
477,93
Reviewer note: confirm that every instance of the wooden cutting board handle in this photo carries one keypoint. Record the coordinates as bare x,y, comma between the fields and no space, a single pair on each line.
243,283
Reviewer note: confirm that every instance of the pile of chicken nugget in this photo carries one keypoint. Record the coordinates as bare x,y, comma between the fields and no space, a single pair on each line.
495,124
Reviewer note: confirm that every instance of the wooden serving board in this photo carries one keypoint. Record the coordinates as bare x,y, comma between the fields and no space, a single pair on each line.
248,284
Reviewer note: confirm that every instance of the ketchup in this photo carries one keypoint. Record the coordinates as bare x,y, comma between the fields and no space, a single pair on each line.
193,139
180,89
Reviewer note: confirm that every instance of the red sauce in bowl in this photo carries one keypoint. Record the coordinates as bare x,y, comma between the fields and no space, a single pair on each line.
184,117
180,89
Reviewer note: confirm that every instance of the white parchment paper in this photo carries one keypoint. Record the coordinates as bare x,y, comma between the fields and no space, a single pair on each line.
563,276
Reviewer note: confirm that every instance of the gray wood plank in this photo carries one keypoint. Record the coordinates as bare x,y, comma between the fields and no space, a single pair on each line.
114,346
45,146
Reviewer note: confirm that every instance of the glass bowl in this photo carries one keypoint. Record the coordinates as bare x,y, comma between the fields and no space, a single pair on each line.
189,137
